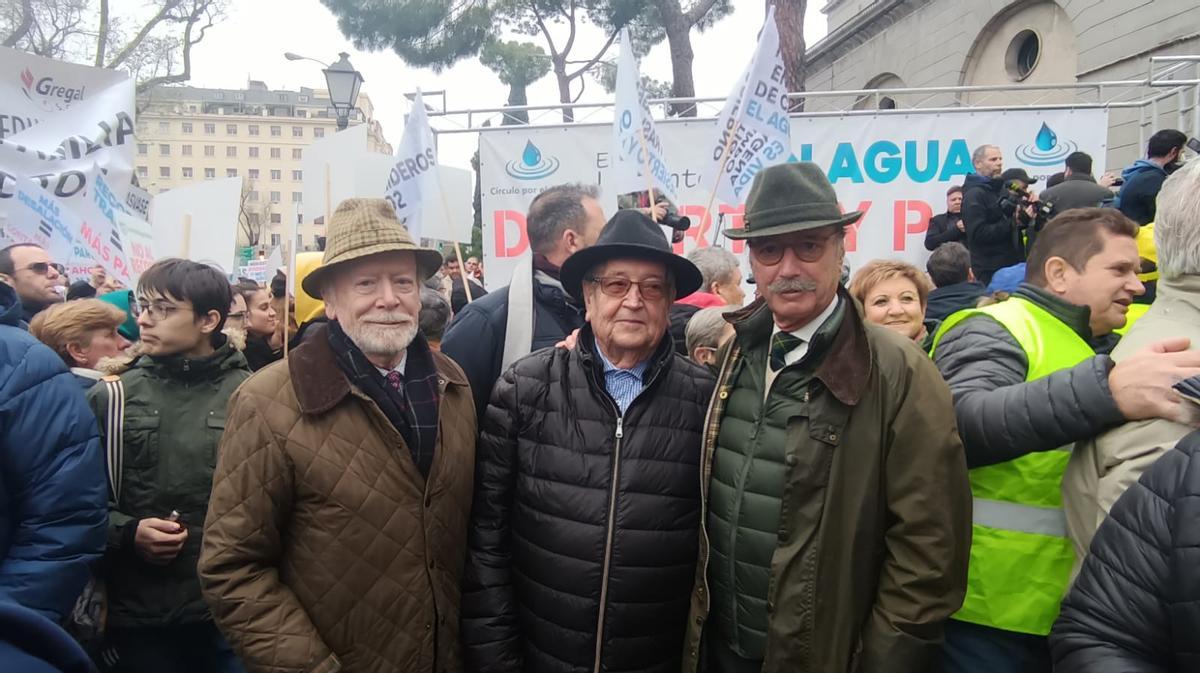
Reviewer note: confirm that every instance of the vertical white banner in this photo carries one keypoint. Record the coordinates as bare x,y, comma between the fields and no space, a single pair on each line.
413,179
637,147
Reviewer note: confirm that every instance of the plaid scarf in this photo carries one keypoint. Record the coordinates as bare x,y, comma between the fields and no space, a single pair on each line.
413,409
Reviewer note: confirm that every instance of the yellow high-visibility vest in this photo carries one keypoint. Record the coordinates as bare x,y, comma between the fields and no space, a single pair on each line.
1021,557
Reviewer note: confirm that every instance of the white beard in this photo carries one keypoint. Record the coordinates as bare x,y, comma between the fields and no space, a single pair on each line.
384,341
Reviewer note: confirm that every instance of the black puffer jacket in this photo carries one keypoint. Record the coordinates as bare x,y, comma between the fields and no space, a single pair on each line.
1002,417
1135,607
561,491
475,338
991,235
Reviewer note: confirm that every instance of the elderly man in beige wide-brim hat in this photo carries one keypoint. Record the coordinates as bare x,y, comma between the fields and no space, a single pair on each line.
335,537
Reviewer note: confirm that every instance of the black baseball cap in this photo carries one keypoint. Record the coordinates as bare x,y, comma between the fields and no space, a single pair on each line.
1018,174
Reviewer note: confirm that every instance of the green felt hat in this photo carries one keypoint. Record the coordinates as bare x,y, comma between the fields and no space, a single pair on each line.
788,198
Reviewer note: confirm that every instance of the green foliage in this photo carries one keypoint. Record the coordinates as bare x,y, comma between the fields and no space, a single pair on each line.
433,33
516,63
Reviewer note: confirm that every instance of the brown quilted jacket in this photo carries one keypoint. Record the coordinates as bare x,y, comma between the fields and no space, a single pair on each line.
324,548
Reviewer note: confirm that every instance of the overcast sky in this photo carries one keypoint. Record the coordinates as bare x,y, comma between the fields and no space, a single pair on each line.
250,44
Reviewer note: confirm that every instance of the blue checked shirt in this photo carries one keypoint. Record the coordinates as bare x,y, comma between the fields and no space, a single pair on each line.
623,385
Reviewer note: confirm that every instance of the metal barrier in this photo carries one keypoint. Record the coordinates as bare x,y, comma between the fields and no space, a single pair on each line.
1167,77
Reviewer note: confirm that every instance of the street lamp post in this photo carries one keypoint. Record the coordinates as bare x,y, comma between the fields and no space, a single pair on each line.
343,82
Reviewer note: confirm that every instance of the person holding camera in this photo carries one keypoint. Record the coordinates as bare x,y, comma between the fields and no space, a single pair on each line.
992,237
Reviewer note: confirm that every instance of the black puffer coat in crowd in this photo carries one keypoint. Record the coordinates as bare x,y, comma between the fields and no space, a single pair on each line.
582,547
1135,607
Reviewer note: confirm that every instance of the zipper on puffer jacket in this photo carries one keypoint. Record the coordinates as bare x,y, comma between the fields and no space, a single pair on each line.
612,516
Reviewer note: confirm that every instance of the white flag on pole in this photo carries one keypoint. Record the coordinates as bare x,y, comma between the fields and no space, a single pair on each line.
414,177
637,147
755,131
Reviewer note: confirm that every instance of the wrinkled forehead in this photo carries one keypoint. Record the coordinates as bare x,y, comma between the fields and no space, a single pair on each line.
391,263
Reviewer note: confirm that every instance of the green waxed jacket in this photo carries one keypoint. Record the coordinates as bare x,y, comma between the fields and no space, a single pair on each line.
874,523
174,418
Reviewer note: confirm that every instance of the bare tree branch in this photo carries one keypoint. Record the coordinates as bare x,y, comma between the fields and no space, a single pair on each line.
163,13
202,8
698,11
102,35
595,59
22,28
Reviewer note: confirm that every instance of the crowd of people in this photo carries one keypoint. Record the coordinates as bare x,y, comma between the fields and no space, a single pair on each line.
618,461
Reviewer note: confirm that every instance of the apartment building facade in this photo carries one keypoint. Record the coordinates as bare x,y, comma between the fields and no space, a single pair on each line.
188,134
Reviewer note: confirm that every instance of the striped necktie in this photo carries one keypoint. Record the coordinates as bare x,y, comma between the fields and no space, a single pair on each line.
782,343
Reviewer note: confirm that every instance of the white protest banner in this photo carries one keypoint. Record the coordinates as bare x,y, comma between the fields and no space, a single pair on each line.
754,129
896,167
637,147
59,122
199,222
449,217
137,202
413,178
258,270
101,234
139,244
34,216
330,167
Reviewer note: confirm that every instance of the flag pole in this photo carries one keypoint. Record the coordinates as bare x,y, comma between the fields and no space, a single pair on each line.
462,263
185,246
328,196
287,249
646,167
724,160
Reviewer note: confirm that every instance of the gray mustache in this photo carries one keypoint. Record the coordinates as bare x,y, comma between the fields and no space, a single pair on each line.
792,285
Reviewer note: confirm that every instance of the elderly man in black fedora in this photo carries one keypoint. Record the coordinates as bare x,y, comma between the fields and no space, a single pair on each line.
583,534
837,511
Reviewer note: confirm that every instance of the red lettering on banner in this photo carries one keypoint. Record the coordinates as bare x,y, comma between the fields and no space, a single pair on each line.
902,227
698,232
501,219
852,231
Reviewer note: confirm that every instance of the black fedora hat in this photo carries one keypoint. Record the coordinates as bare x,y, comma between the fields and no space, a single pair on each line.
630,234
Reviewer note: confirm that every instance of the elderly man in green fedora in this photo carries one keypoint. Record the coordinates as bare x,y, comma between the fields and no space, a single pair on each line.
837,515
336,531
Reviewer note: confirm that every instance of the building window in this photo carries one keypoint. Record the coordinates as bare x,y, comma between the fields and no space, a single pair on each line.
231,151
276,218
319,132
231,129
164,150
164,171
297,176
210,150
254,219
274,237
210,173
210,129
253,152
1023,54
274,197
164,127
275,153
276,174
276,131
303,114
253,175
252,196
297,153
297,197
253,129
143,172
231,172
187,150
187,172
297,131
143,148
187,127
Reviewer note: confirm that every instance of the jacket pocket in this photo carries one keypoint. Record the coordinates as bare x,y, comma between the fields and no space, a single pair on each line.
140,460
215,424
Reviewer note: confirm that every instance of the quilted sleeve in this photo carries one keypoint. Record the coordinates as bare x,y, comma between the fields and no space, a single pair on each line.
1002,417
491,640
1116,618
239,573
923,578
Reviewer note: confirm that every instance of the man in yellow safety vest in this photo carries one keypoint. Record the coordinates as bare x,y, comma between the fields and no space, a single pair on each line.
1030,377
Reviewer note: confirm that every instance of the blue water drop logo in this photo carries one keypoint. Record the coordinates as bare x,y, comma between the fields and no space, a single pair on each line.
532,165
1046,139
532,156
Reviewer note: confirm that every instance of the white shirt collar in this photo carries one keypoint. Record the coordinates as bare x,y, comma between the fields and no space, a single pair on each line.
87,373
809,330
397,368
